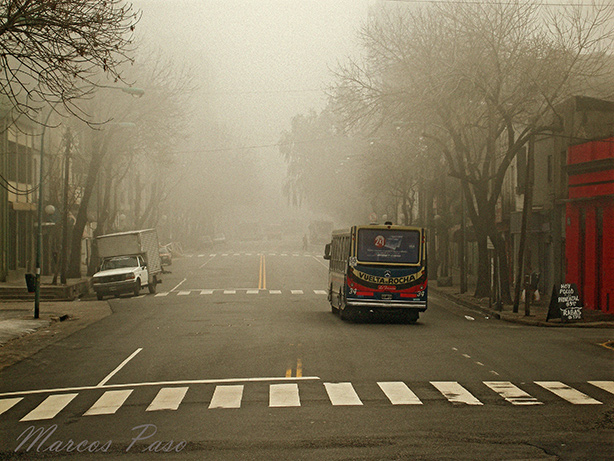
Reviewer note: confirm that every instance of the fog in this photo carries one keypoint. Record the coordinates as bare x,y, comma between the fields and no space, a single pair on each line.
257,64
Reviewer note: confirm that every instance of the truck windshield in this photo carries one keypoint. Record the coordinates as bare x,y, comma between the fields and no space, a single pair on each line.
118,263
389,246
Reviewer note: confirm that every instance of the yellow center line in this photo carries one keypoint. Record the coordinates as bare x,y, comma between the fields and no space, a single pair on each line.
262,273
299,370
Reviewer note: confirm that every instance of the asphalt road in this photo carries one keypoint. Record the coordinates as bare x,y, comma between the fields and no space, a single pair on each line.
238,356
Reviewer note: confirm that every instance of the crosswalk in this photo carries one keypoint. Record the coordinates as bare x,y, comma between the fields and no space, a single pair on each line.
239,291
227,254
287,394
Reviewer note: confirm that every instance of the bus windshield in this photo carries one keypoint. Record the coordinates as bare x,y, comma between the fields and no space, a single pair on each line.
389,246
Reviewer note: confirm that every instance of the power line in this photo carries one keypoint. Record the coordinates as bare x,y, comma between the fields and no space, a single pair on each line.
478,2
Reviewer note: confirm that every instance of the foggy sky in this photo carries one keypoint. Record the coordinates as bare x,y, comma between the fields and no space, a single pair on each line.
259,62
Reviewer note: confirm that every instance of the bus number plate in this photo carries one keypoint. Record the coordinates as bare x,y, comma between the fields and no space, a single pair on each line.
386,296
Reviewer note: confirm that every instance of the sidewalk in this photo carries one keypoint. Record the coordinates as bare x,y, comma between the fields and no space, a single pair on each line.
57,320
538,311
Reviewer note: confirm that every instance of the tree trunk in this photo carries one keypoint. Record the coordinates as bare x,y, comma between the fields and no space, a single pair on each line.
482,289
74,268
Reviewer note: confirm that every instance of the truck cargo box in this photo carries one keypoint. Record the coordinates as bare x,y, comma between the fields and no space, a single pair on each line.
143,242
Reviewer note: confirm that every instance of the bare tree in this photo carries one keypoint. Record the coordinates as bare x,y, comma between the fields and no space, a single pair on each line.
54,51
481,79
156,122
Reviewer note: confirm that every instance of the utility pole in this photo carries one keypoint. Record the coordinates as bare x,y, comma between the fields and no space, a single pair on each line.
462,257
64,256
526,212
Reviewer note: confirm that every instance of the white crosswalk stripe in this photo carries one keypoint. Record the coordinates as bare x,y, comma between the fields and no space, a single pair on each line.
7,404
284,395
398,393
109,403
511,393
50,407
567,393
169,398
455,393
605,385
342,394
240,291
229,396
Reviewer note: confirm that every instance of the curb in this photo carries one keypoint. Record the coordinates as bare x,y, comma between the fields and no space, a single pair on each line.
518,318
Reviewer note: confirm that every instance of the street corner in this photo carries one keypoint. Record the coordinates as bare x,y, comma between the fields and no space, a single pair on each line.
23,336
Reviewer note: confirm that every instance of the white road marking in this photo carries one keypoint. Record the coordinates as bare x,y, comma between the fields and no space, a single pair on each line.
178,285
183,293
567,393
121,365
169,398
206,292
398,393
342,394
274,292
49,407
227,397
511,393
253,292
108,403
284,395
320,292
455,393
605,385
7,404
162,383
296,292
161,294
230,292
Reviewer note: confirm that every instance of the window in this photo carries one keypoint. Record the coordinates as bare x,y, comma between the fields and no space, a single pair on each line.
389,246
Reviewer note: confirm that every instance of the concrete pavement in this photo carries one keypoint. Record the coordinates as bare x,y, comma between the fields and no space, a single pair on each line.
22,336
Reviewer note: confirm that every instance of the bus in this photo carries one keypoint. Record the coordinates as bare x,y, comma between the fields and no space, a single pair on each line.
377,267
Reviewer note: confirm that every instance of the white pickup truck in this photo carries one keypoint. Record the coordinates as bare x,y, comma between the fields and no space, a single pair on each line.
129,262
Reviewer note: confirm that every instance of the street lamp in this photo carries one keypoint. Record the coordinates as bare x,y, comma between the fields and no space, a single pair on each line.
136,92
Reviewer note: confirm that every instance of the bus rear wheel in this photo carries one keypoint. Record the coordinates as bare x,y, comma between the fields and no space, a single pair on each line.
411,316
334,309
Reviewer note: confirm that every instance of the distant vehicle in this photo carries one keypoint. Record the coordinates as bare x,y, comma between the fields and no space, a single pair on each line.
129,262
219,239
378,267
166,257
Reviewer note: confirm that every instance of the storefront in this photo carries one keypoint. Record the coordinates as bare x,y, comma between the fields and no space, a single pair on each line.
589,222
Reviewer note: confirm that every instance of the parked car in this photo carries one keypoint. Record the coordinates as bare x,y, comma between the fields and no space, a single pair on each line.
166,257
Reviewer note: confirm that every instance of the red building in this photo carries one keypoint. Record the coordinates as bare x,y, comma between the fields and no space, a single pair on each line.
589,243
